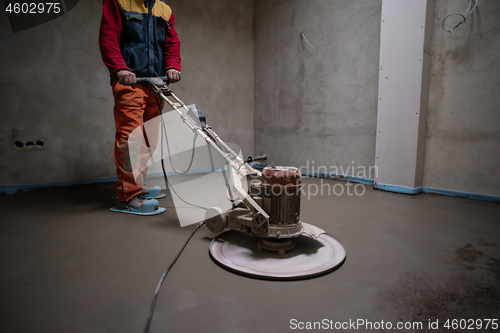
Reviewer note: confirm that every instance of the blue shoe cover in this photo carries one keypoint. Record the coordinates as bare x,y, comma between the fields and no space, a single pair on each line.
149,207
156,193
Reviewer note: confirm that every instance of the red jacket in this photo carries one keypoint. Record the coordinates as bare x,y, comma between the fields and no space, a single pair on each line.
120,46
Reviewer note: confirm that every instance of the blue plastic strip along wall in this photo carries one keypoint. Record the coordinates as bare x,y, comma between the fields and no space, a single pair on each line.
11,189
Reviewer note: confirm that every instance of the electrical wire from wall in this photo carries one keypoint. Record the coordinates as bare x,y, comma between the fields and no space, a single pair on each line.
303,36
464,16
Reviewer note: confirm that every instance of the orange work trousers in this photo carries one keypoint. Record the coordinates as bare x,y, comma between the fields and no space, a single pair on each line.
137,123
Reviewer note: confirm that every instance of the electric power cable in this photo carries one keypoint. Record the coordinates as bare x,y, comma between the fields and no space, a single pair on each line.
155,297
464,16
303,36
167,183
158,287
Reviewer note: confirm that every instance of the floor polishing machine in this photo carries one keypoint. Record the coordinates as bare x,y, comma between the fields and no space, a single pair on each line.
266,237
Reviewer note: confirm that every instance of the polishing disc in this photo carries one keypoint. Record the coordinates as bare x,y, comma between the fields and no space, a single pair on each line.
311,257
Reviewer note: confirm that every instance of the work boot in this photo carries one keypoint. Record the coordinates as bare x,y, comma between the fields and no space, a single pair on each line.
135,202
146,190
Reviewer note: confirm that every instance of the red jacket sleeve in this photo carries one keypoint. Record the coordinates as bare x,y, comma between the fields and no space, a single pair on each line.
109,37
172,54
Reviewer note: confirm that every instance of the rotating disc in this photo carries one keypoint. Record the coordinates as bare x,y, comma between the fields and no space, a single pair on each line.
311,256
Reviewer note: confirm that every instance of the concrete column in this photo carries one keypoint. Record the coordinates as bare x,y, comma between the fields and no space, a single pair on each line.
405,47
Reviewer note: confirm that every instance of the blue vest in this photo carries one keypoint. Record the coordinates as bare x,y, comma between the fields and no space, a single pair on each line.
142,41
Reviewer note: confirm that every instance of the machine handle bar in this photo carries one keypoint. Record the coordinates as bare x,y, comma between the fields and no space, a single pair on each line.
251,159
153,81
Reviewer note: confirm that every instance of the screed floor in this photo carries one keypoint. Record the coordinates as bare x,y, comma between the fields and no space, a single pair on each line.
70,265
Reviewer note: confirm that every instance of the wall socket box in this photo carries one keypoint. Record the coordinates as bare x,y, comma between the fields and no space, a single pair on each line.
29,144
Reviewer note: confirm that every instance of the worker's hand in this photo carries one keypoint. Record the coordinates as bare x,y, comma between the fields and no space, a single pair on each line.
127,78
173,75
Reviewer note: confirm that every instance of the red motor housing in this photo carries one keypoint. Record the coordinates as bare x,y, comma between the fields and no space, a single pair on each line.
280,192
278,176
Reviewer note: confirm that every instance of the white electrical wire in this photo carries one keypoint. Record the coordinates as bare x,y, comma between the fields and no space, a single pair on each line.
306,40
157,291
464,16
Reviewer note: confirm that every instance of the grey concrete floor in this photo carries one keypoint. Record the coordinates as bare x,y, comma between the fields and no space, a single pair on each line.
70,265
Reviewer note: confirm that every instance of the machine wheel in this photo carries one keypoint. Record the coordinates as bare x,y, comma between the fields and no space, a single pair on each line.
215,220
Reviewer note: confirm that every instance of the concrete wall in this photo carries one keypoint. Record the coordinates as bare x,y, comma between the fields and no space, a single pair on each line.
317,104
463,125
217,48
54,87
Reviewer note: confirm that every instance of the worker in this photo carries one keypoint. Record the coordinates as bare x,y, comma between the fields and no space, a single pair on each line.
137,38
